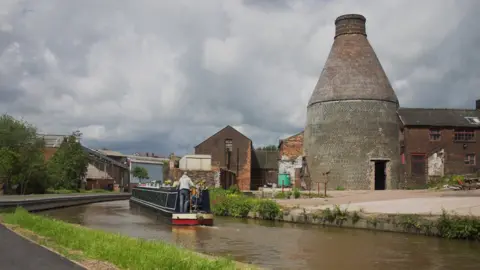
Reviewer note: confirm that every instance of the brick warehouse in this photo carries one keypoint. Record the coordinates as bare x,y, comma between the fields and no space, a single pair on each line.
232,151
438,142
352,128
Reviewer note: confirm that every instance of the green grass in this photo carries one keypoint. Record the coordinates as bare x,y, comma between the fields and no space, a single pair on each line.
70,191
122,251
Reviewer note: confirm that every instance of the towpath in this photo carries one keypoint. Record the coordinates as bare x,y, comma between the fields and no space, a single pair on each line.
17,253
396,201
15,198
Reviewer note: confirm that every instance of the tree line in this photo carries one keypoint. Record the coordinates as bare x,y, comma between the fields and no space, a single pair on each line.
23,167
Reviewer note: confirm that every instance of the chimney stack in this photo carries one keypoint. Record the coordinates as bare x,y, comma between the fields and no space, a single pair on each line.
350,24
477,104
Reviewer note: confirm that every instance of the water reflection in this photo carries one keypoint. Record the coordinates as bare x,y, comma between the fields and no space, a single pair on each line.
282,245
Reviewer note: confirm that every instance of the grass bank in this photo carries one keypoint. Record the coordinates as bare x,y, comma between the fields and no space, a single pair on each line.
80,243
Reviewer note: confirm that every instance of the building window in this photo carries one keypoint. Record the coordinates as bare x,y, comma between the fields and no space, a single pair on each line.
470,159
463,135
228,145
418,164
473,120
435,135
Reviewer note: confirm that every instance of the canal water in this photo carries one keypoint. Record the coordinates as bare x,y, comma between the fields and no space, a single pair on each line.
282,245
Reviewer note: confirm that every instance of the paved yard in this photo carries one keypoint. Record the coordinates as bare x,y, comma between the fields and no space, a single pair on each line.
397,201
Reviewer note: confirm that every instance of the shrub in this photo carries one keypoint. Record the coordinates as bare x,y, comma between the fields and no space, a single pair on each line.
267,209
234,189
239,206
457,227
225,203
296,193
280,195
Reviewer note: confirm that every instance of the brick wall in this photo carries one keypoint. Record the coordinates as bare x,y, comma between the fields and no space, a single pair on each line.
240,155
417,141
292,147
245,171
208,176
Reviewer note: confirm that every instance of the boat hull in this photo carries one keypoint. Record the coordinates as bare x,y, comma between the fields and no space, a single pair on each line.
192,219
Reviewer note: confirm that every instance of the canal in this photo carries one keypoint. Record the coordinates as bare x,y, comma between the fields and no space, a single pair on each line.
282,245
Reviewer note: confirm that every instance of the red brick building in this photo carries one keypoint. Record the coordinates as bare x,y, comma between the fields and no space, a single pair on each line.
438,142
231,151
291,147
290,154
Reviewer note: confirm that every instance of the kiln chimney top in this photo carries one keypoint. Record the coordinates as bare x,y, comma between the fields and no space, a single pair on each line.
349,24
477,105
352,70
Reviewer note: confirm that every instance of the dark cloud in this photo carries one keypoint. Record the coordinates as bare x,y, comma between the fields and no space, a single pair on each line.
162,76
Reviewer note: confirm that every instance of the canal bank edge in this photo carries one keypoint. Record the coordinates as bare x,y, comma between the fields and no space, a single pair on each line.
447,225
52,201
40,241
24,224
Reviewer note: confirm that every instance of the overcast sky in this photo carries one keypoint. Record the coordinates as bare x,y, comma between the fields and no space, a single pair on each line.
161,76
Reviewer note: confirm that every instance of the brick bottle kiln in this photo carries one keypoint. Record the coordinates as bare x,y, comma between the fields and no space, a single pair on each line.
352,128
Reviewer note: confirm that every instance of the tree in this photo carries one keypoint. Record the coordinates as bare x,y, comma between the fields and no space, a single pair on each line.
68,166
140,173
268,148
8,161
21,155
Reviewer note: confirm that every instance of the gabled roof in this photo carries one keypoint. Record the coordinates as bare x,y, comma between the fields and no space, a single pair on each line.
439,117
227,127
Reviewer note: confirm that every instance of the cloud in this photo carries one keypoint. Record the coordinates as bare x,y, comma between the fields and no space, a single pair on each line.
161,76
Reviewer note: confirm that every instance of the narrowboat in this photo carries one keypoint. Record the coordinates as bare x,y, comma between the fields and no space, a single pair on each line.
166,201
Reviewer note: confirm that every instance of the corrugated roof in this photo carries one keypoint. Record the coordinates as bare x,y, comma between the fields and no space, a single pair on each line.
104,157
264,159
439,117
